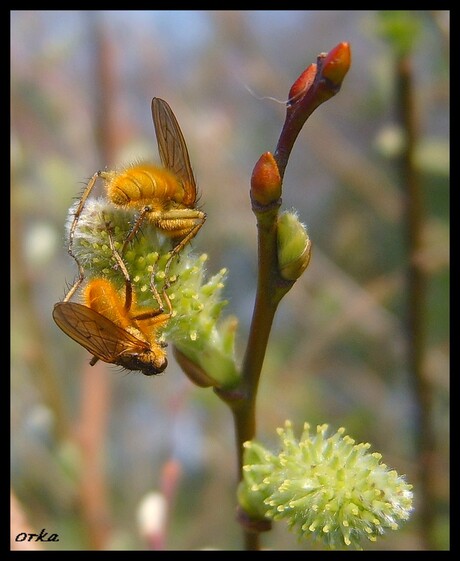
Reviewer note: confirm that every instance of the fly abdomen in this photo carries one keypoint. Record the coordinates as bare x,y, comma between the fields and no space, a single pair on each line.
139,185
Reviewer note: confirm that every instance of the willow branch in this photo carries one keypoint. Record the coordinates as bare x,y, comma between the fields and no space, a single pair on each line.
318,83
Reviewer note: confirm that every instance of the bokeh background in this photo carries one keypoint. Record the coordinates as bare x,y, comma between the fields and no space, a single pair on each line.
90,444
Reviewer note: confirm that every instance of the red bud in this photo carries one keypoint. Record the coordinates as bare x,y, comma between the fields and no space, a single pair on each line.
302,84
266,180
337,63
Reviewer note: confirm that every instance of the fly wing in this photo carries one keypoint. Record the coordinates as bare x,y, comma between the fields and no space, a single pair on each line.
100,336
172,148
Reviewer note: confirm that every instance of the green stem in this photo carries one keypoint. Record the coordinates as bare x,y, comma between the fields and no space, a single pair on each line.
262,318
270,289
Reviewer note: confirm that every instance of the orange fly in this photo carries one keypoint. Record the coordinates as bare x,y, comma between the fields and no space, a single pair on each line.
164,196
114,331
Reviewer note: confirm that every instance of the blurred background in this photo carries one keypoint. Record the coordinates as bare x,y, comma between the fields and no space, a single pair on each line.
93,447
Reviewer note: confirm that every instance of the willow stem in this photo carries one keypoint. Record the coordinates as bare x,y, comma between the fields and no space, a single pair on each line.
270,289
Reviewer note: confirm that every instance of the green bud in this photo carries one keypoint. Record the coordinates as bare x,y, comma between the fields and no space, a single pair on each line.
195,328
294,246
193,371
327,488
251,493
210,353
91,246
